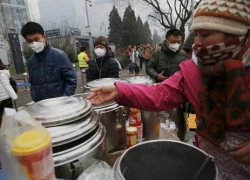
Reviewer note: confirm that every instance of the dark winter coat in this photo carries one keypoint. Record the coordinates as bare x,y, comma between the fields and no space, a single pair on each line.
166,59
51,74
105,67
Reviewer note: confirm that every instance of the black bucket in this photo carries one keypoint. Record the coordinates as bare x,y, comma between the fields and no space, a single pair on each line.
161,160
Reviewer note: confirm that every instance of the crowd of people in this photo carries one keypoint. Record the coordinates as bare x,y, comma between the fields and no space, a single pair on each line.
210,71
215,80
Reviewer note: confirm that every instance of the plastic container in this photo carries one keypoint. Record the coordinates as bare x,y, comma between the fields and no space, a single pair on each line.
131,136
33,150
136,121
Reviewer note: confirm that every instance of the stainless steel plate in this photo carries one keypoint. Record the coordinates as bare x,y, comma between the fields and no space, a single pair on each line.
71,132
58,111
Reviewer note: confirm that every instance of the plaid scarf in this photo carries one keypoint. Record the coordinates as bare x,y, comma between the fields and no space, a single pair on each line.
224,98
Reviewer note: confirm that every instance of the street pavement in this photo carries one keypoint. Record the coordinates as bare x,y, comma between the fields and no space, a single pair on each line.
24,95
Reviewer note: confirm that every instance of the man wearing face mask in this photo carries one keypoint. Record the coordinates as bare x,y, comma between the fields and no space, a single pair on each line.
103,65
165,61
50,71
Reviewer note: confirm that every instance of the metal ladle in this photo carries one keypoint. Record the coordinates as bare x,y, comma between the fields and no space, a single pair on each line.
198,173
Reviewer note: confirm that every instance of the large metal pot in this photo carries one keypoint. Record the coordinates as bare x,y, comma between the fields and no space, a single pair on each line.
59,111
113,117
100,82
73,158
151,124
78,137
161,159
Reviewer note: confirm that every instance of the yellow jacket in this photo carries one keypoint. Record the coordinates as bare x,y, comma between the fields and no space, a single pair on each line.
83,59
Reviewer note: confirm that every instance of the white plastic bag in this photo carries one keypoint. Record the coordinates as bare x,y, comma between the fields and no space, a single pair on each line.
26,150
98,171
7,160
168,130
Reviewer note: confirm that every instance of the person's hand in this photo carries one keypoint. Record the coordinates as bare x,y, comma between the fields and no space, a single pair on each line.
161,77
243,153
103,94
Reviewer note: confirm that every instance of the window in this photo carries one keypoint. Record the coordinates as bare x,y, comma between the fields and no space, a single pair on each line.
1,15
22,13
15,12
10,24
7,12
12,1
20,2
23,22
17,24
5,1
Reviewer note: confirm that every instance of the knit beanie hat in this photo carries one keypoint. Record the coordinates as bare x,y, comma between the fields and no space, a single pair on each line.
101,41
189,42
231,17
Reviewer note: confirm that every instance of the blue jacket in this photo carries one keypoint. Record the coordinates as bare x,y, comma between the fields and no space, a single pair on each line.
51,74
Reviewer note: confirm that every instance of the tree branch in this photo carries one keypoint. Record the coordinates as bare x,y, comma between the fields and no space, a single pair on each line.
159,20
184,6
158,9
170,12
177,12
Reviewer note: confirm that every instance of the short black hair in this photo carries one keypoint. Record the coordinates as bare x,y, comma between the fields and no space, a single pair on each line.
32,28
82,49
173,32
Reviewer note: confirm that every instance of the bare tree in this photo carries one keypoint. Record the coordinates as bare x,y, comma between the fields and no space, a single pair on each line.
168,13
176,15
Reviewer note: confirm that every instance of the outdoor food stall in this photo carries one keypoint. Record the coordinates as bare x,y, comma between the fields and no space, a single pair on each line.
111,141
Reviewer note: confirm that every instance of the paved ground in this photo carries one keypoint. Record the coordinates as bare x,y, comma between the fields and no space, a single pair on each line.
24,95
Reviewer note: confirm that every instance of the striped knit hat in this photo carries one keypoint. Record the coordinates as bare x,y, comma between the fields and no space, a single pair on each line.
229,16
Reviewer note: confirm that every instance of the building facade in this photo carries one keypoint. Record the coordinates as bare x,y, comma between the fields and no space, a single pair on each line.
14,14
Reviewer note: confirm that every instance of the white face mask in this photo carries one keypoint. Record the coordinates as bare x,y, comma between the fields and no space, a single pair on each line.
194,58
174,47
37,46
100,52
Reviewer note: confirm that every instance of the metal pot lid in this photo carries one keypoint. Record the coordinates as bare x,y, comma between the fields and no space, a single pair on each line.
58,111
105,105
105,108
70,132
87,147
140,80
85,95
101,82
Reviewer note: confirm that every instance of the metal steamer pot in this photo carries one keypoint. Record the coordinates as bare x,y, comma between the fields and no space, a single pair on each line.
100,82
112,116
165,159
151,124
78,137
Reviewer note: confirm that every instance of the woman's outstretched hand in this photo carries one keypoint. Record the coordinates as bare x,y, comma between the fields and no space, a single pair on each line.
243,153
103,94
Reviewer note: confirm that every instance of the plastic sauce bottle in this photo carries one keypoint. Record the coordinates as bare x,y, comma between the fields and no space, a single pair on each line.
135,121
33,150
131,136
